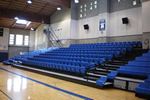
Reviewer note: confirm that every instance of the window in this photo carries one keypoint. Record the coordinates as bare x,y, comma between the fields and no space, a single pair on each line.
85,7
91,6
81,11
95,4
26,40
19,39
81,16
85,15
11,39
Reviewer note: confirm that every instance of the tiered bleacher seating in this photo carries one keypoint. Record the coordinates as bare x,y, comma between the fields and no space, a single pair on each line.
139,67
78,58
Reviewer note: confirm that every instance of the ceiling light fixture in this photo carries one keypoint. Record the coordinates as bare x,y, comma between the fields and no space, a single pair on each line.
59,8
29,22
134,2
29,1
21,21
32,29
76,1
16,18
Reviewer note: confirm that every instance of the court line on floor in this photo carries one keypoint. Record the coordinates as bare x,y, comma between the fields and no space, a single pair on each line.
6,94
48,85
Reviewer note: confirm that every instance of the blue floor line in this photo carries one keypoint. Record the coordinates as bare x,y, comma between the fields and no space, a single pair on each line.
50,86
6,95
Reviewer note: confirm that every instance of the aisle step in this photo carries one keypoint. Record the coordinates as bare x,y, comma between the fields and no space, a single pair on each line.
110,65
94,75
110,68
102,70
91,78
101,73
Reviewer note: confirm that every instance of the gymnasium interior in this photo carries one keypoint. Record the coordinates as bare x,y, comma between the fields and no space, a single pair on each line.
74,50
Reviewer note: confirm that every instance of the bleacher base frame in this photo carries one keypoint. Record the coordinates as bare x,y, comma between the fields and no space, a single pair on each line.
127,84
75,79
80,80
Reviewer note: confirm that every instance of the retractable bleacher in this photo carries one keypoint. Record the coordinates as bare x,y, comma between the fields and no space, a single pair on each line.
89,62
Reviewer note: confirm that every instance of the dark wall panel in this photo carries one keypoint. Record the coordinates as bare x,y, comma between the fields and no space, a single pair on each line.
102,7
122,5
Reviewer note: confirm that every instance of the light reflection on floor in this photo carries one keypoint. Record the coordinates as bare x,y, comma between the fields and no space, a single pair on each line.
16,84
20,88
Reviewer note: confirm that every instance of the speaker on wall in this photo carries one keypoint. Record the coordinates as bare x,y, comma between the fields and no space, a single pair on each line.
86,27
125,20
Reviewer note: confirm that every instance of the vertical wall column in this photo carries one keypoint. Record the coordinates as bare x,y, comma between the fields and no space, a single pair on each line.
146,23
105,14
41,40
74,21
5,37
32,41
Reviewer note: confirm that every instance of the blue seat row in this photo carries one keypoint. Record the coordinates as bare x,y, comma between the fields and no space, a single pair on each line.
139,64
100,48
94,60
108,57
89,52
143,59
70,67
71,52
79,63
133,43
135,71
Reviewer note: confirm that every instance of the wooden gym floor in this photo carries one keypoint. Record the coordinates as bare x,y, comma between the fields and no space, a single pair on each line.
17,84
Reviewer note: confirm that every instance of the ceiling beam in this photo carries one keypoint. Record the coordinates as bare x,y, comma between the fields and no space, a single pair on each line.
33,17
9,5
12,27
13,24
62,3
46,4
